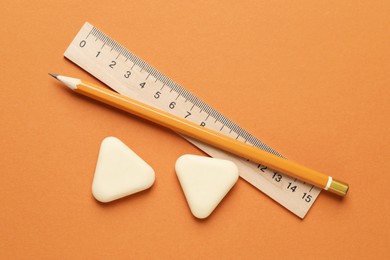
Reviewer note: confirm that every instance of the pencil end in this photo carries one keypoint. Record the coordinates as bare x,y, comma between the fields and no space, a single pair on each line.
53,75
338,187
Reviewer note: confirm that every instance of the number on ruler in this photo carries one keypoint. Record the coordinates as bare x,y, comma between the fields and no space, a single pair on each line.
277,177
262,168
112,64
306,197
127,74
83,43
291,187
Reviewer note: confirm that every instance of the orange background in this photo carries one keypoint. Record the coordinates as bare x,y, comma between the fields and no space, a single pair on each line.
310,78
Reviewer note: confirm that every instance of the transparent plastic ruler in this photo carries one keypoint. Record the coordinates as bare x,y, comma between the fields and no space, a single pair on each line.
129,75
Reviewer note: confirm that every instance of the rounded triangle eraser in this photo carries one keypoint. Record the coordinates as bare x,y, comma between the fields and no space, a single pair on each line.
119,172
205,181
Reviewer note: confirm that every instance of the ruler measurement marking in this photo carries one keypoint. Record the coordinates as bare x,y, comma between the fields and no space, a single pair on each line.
128,56
106,40
173,87
112,43
121,53
157,77
176,88
191,99
228,123
224,125
114,46
117,47
89,33
240,131
246,135
184,95
187,94
145,66
212,113
109,44
232,126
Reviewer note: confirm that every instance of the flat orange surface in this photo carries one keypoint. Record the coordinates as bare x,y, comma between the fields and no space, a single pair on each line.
310,78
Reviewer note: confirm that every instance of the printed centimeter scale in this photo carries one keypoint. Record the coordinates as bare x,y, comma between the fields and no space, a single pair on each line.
147,80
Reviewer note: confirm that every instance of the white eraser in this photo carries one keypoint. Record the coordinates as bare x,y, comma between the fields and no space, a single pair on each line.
205,181
119,172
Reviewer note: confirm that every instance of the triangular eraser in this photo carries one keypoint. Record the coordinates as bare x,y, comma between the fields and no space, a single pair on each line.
205,181
119,172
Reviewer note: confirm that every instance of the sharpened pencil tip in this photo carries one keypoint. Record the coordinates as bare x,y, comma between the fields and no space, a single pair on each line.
53,75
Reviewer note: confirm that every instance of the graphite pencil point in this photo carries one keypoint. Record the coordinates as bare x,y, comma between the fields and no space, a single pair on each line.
53,75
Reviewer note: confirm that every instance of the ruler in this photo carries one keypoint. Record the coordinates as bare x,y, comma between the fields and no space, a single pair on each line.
131,76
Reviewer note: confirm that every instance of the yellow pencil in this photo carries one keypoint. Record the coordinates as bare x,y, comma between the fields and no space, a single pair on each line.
205,135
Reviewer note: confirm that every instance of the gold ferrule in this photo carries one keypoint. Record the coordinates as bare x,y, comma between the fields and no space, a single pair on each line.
338,187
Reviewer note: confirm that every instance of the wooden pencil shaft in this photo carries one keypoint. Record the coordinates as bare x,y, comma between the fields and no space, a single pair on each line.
205,135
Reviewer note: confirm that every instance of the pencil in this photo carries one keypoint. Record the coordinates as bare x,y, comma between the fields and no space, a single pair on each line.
205,135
